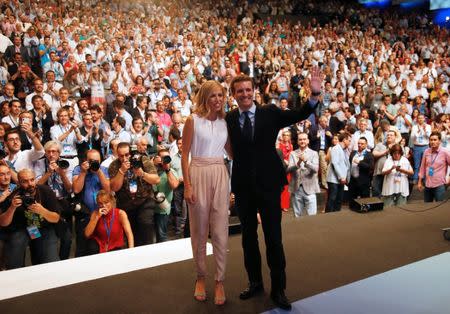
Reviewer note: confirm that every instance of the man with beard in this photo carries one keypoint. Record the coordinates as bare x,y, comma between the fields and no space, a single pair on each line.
30,214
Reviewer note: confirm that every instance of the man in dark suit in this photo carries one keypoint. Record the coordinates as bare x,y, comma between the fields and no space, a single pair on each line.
361,171
16,47
258,178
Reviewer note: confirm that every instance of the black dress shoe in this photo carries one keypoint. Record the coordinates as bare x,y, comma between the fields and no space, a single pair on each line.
253,289
280,300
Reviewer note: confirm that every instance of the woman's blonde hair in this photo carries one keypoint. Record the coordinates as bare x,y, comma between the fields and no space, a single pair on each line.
103,196
201,98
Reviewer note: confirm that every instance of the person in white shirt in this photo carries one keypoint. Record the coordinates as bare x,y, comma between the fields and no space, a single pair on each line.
156,93
183,104
420,138
362,132
62,102
441,106
396,170
66,133
118,107
54,66
14,111
38,90
113,156
23,159
52,87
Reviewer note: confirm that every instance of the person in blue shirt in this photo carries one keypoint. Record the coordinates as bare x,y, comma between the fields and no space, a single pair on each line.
88,178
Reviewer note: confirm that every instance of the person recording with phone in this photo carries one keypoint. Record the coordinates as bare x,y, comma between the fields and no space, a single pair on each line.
29,214
132,178
26,121
20,159
88,179
53,171
168,182
107,226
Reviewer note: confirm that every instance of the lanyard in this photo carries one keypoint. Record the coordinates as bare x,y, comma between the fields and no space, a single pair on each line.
432,162
12,120
109,228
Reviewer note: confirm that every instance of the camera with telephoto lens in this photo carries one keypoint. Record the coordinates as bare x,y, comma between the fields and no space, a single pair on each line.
63,164
135,158
27,199
94,165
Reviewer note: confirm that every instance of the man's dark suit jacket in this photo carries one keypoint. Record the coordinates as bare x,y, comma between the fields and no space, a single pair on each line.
314,141
47,123
365,168
11,51
258,163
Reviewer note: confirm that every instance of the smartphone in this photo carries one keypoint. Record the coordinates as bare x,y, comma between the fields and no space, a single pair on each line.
25,120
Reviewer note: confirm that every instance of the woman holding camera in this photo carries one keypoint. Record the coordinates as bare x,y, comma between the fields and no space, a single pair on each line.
107,226
396,170
206,184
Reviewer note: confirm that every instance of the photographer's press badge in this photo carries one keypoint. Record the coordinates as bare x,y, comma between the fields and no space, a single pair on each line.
33,232
133,186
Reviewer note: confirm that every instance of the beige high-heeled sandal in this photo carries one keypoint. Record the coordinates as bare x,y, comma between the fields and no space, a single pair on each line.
200,292
219,297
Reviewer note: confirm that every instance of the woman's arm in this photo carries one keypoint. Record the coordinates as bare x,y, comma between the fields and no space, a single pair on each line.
89,230
188,132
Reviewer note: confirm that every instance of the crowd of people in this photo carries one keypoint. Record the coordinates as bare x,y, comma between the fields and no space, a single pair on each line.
95,96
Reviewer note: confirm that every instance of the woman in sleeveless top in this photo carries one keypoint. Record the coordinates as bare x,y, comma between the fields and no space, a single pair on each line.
108,225
206,183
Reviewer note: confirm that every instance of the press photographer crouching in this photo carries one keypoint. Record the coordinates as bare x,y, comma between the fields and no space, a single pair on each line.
164,193
107,226
53,172
29,214
88,179
132,176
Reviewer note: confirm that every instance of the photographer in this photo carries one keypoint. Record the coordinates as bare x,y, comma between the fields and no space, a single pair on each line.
168,182
132,176
30,214
88,178
53,171
107,226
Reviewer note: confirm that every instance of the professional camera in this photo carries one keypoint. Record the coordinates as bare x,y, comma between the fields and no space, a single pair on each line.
63,164
94,165
27,199
166,160
135,158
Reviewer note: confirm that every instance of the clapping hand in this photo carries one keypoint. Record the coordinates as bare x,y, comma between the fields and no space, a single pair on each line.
316,80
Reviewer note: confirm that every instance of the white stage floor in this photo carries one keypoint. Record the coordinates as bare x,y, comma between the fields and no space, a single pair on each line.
418,288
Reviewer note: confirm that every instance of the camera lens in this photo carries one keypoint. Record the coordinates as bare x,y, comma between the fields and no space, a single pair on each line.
94,165
63,164
166,160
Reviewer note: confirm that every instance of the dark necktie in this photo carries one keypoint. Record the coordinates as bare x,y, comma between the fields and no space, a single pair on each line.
247,130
